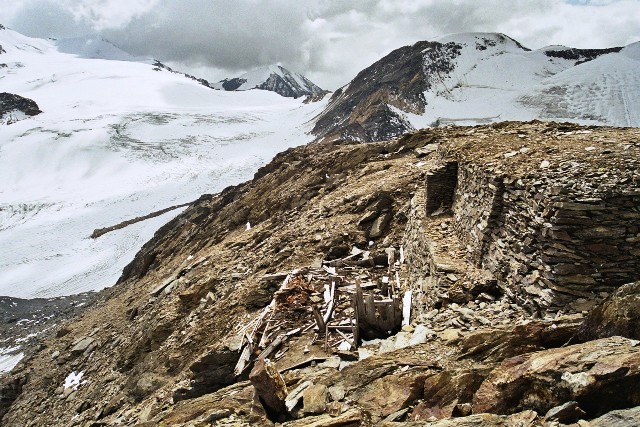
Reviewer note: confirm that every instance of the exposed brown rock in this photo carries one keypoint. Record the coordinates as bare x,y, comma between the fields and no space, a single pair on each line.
619,418
618,315
314,399
270,387
389,394
600,375
494,345
161,359
445,391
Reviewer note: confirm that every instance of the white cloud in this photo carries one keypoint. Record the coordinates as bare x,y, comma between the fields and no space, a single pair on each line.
329,40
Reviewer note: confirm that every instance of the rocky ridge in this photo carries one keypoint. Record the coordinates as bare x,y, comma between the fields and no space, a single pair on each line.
178,341
449,80
273,78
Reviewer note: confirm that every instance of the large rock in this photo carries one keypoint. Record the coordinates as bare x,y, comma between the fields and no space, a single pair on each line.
314,399
349,418
620,418
446,392
618,315
495,345
389,394
81,345
270,387
12,102
600,375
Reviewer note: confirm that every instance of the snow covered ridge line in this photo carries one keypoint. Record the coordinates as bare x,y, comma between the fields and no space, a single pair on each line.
476,78
274,78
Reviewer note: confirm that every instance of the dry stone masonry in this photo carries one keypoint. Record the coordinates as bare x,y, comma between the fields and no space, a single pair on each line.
552,216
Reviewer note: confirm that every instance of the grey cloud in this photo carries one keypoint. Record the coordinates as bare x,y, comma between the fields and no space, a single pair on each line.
329,40
42,18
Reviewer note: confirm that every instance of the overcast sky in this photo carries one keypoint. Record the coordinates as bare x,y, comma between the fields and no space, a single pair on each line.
327,40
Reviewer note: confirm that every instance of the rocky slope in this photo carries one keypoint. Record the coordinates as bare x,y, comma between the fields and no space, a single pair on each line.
274,78
15,107
477,78
178,340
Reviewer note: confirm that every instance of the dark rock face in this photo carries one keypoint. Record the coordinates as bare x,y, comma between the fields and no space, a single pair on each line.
281,81
362,111
618,315
233,84
12,102
580,55
287,86
158,66
10,389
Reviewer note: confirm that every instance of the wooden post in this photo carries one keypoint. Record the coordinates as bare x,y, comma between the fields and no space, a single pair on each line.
355,325
319,320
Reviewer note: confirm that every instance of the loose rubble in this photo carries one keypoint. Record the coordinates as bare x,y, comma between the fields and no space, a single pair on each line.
443,278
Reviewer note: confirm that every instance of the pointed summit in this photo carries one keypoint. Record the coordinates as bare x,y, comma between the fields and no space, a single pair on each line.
274,78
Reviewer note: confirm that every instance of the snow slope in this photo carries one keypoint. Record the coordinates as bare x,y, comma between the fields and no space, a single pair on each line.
115,140
94,48
496,79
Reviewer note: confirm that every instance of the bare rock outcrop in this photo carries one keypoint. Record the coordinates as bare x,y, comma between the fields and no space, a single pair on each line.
11,104
618,315
600,375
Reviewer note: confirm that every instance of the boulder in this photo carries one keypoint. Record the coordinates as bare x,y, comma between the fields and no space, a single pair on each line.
522,419
349,418
617,315
619,418
567,413
81,345
495,345
600,375
270,388
314,399
380,225
389,394
446,392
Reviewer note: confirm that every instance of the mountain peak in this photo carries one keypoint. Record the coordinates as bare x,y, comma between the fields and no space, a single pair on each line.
93,47
274,78
478,78
482,41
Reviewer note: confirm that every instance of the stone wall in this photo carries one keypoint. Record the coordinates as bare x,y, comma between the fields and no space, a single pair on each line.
546,245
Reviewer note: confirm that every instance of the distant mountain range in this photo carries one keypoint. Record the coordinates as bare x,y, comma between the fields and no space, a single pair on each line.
119,137
477,78
274,78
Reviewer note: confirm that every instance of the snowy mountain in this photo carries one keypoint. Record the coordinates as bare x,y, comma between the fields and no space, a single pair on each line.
274,78
477,78
94,48
116,140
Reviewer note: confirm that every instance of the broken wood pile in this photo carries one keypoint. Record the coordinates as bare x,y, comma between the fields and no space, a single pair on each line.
339,304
